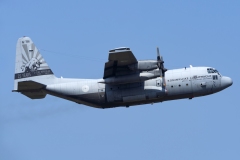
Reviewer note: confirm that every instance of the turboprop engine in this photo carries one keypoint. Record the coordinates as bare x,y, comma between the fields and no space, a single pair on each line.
123,68
140,77
146,65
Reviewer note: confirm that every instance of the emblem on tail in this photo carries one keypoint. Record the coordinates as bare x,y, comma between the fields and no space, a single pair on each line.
31,66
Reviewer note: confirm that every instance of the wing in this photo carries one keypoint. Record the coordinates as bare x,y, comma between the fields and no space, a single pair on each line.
119,63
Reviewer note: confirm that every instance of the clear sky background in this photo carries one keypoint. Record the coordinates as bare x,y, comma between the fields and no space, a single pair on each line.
74,38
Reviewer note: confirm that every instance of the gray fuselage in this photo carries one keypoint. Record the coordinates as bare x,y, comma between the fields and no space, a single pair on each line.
179,83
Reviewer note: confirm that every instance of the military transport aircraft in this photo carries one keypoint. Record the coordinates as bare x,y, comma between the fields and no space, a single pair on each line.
126,81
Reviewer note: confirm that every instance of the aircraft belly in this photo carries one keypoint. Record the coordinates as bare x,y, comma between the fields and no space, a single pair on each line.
90,97
133,93
134,98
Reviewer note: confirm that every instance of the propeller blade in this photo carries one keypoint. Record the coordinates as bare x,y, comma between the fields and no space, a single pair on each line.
160,64
164,82
158,54
158,58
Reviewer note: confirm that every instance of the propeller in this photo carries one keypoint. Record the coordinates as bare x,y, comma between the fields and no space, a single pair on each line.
160,64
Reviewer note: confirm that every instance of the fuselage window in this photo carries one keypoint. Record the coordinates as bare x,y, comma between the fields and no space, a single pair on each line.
215,77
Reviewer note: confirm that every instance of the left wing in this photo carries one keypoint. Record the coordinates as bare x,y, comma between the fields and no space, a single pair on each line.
119,63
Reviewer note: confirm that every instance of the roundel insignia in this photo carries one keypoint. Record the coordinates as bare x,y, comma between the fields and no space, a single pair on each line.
85,88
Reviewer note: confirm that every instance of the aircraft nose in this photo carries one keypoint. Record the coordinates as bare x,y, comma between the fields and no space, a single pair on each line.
226,82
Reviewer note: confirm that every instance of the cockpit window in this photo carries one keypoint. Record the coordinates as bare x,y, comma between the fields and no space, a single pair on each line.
211,70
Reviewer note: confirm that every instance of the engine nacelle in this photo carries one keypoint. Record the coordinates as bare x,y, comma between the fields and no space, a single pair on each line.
146,65
140,77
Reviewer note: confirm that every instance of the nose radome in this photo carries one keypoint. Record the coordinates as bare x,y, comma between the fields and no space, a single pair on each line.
226,82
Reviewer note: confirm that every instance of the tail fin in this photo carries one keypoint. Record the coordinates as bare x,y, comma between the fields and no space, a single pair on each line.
29,64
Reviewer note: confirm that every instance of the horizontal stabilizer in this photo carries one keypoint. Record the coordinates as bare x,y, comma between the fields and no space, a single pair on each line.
31,89
35,95
29,86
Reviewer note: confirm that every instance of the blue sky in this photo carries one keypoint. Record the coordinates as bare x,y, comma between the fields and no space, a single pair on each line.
74,38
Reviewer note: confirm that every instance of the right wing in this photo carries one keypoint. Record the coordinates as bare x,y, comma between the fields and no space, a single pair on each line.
119,62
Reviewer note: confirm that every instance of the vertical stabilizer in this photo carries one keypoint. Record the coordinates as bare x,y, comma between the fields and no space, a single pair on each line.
29,64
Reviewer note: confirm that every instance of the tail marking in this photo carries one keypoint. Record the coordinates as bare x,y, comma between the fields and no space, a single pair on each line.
31,61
